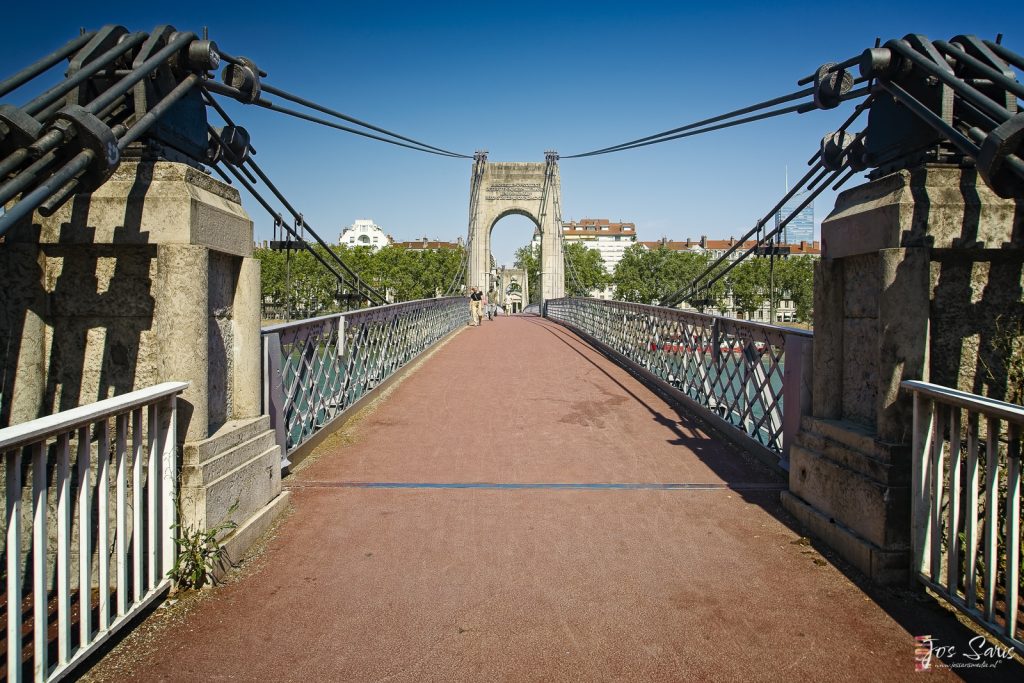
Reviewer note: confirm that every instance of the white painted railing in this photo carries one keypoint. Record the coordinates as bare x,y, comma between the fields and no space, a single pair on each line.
115,508
966,504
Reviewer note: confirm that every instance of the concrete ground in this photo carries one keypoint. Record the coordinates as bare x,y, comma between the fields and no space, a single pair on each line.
434,545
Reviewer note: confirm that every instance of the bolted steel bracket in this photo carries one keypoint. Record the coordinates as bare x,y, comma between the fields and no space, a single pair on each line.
830,84
1003,141
244,77
17,129
89,133
232,147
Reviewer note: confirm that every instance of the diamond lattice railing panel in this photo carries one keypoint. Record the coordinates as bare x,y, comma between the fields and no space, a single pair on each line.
329,363
733,368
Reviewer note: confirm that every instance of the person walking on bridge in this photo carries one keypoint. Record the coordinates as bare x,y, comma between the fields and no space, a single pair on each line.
475,297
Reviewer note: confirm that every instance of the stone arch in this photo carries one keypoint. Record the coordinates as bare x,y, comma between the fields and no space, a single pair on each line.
501,189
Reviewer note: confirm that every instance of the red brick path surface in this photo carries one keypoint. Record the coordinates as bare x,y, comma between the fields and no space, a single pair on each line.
532,584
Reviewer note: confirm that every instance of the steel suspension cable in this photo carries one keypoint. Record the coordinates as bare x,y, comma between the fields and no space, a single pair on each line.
279,219
687,290
714,119
768,236
237,170
220,89
302,221
326,110
798,108
41,65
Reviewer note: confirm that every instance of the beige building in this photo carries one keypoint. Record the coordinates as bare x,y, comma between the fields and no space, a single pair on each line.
610,239
425,244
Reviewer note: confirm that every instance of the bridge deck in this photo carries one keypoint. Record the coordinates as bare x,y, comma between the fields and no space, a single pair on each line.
433,580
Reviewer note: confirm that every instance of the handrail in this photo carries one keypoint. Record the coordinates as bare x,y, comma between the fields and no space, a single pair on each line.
962,399
966,502
95,486
27,432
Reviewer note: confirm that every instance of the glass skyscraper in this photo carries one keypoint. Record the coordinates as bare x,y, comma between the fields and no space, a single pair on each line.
801,228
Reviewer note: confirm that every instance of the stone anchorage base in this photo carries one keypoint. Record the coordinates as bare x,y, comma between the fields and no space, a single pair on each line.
235,475
852,491
242,539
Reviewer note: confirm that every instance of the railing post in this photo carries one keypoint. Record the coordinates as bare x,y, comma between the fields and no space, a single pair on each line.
169,489
797,383
273,390
919,486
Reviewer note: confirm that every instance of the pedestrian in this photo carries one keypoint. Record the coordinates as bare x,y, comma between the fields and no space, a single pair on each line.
474,305
492,305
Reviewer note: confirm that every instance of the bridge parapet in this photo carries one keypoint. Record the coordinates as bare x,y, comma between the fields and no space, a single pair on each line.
749,379
148,279
316,371
919,270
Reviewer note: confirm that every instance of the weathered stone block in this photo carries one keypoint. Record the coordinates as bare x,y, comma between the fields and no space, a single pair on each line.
860,369
877,512
862,287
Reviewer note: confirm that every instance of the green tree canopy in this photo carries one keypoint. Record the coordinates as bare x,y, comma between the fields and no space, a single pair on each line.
648,275
794,278
528,259
296,284
584,270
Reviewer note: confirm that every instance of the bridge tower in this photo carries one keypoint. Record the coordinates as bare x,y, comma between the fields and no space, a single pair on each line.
526,188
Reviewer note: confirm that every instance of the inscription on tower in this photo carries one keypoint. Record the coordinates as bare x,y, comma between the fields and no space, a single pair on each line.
514,192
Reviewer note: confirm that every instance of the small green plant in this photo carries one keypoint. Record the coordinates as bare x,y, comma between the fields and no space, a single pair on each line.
199,551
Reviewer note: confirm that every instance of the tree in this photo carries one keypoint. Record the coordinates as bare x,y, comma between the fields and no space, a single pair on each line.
584,270
646,276
749,283
528,259
794,278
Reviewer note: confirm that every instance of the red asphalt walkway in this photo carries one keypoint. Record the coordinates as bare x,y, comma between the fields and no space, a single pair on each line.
427,582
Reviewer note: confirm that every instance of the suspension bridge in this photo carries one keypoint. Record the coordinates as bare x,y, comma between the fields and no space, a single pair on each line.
601,490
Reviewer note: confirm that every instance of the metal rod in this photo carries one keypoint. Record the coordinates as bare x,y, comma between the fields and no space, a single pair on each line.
277,193
946,76
842,181
83,74
210,100
158,110
1008,55
931,118
29,202
852,61
278,217
718,276
758,226
13,162
140,72
38,67
15,185
236,168
57,199
978,65
1010,160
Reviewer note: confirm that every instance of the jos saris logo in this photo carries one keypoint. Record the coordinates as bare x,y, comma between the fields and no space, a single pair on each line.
978,653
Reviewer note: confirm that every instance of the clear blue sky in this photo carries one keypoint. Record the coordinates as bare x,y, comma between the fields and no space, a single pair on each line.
517,78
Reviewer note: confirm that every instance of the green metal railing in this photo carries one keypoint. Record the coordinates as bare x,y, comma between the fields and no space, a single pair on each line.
735,372
315,369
